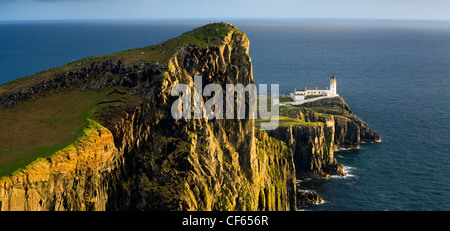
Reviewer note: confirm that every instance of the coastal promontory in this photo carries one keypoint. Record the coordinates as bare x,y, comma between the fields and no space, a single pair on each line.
97,134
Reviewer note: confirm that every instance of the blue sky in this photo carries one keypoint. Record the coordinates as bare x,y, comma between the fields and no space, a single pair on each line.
203,9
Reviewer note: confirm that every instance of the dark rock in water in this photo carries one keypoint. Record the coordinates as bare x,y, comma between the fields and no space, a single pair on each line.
308,197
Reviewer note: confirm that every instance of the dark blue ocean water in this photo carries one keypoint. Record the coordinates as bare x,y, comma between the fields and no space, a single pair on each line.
394,75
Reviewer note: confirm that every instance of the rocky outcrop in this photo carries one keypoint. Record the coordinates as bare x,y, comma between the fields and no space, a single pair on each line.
344,118
140,158
313,149
347,133
307,198
313,146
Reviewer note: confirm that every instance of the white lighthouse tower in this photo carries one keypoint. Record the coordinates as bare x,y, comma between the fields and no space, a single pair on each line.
333,85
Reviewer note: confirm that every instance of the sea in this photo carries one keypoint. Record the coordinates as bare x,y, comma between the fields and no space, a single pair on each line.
395,75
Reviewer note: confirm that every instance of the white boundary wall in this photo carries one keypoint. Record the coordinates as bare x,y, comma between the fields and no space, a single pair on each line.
308,100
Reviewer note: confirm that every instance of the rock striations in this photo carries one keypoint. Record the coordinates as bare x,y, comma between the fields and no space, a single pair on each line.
75,178
134,156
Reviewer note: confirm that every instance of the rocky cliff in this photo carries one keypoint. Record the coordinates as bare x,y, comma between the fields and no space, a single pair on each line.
350,129
75,178
137,157
314,145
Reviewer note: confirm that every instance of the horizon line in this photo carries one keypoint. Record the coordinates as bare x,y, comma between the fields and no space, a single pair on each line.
199,19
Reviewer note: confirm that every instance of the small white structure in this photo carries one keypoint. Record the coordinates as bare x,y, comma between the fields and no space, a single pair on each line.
275,101
300,95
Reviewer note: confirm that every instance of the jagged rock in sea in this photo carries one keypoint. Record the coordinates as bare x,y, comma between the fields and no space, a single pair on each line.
308,197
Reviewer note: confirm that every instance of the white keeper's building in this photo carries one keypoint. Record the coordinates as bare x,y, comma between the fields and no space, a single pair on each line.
300,95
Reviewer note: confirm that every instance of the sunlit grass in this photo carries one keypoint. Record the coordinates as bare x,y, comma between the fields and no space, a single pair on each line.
284,121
